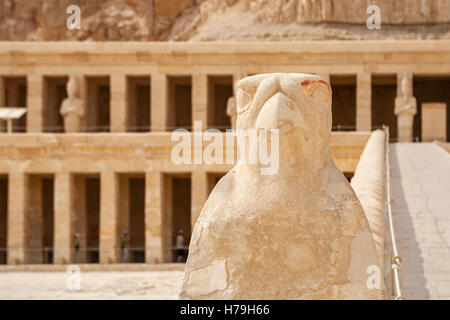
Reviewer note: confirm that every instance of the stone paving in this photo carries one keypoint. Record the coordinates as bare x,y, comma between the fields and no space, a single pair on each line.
420,182
123,285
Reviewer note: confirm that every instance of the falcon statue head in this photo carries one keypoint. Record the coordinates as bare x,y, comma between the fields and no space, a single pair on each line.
297,104
284,101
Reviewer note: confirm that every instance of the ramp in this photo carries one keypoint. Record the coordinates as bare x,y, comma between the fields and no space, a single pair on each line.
420,189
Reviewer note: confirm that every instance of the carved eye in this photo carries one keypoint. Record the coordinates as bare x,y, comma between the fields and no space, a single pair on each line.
318,90
243,100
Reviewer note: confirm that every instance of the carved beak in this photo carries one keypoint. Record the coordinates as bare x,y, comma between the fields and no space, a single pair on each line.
280,112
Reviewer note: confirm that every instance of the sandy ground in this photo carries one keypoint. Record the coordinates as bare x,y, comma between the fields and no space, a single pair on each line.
94,285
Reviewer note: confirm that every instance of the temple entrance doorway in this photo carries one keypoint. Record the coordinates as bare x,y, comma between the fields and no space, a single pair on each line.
177,213
430,89
180,102
15,95
344,102
86,227
384,92
54,93
131,217
39,219
138,95
3,218
220,88
97,113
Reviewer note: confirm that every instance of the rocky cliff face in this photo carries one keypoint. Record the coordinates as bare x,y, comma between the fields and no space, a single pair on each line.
100,19
351,11
142,20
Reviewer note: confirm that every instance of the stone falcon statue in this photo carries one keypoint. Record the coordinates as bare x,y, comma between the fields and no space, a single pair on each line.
300,233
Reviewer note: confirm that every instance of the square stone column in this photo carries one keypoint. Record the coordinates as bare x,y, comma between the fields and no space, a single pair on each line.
200,99
17,217
199,194
363,102
434,122
80,218
63,218
154,206
109,251
34,220
2,91
159,102
35,103
118,103
2,101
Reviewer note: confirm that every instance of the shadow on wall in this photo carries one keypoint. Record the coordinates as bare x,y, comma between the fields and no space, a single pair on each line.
412,281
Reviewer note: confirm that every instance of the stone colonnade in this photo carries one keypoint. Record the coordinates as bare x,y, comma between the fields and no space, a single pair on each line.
109,185
64,215
159,110
35,153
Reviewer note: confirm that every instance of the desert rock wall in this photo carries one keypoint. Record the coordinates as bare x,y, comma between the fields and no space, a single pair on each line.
350,11
147,20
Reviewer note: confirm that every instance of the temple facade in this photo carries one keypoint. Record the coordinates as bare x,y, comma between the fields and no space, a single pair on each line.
95,160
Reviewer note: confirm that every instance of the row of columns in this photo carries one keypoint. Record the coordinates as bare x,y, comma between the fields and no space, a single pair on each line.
64,214
363,100
160,103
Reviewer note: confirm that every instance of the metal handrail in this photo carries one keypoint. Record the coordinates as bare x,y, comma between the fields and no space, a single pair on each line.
396,260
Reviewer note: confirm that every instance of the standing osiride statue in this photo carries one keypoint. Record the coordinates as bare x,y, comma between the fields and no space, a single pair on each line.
72,107
405,110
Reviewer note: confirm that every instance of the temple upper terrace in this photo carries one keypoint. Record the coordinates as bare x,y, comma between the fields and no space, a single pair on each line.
156,86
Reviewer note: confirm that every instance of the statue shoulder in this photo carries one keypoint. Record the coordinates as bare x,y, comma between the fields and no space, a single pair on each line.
65,106
74,105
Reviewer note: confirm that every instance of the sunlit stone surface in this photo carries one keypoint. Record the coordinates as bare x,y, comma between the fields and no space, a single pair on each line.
300,233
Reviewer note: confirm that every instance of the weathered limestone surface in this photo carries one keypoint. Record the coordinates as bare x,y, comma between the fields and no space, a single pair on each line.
351,11
154,200
363,101
298,234
231,111
369,184
63,218
405,108
35,103
200,97
186,19
160,99
200,192
72,108
118,103
434,122
34,221
2,101
108,218
17,199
